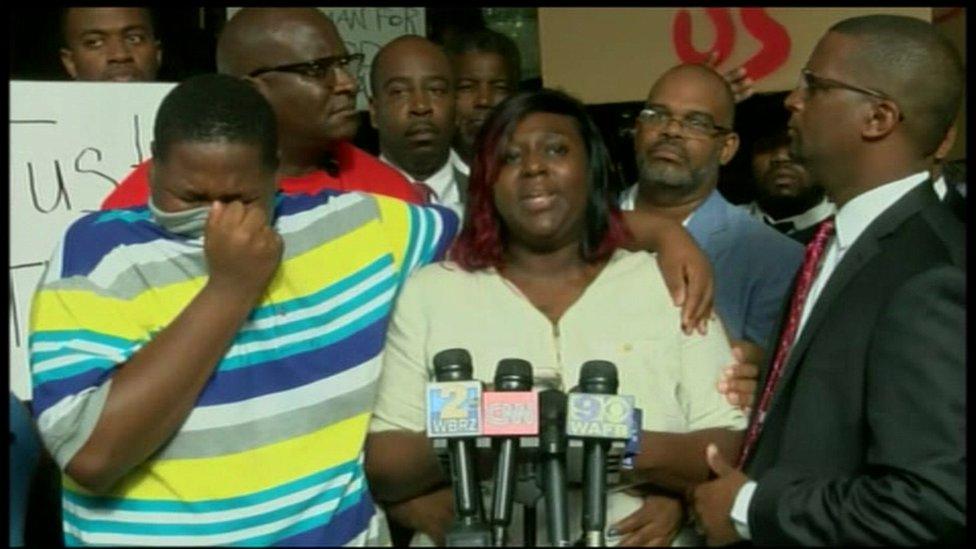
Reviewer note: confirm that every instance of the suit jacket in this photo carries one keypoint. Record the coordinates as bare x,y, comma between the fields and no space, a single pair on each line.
864,440
753,265
955,201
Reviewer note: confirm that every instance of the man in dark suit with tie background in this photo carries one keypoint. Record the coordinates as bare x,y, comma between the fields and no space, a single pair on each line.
858,430
412,109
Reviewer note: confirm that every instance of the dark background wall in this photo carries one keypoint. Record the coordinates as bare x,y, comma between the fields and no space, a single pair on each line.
189,36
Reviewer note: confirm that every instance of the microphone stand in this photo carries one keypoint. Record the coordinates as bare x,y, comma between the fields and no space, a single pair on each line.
527,494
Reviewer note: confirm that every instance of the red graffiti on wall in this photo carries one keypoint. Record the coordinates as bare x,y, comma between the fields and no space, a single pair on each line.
724,36
773,38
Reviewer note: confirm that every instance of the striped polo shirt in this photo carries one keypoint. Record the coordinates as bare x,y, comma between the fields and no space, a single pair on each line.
272,453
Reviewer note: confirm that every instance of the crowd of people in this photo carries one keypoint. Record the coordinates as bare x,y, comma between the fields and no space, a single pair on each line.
234,350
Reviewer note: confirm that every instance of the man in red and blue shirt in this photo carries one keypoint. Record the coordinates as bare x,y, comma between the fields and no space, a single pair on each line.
299,63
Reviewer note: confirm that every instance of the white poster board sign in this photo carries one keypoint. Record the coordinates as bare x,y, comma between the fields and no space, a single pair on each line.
70,143
366,30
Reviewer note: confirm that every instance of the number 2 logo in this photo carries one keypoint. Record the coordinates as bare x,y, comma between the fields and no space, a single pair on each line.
457,404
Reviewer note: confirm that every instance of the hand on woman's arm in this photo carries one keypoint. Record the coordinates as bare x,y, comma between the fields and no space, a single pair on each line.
686,270
739,379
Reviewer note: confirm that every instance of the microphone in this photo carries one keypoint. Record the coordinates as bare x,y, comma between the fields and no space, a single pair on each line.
597,377
552,455
510,411
454,412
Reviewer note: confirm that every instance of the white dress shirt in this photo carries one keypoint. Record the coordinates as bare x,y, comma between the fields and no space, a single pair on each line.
442,182
849,223
814,215
940,187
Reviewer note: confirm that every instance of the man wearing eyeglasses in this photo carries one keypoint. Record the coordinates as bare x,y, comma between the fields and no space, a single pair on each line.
858,434
682,137
297,60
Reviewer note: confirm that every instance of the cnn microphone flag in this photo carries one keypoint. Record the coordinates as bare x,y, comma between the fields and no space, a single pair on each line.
510,413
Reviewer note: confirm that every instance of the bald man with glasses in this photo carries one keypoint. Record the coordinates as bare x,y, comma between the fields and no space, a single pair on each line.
682,136
297,60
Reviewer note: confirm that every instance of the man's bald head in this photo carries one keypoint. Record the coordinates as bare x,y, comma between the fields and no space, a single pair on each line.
394,51
254,37
679,163
314,112
702,77
912,62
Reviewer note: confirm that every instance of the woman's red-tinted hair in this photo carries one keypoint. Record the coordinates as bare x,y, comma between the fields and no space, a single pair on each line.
481,243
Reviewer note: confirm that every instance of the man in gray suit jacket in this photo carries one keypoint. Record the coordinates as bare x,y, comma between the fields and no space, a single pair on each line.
857,434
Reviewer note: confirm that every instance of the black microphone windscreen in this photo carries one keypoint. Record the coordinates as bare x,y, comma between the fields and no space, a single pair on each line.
598,376
552,405
452,365
513,374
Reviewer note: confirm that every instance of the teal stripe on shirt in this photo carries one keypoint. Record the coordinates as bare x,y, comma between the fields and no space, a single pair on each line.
72,370
406,266
330,291
70,349
430,239
65,336
314,341
226,504
270,333
347,501
123,215
211,528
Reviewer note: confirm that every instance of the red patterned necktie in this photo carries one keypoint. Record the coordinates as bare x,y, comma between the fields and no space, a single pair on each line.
428,194
808,272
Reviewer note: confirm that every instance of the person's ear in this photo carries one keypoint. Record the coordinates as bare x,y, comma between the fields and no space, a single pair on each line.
881,119
159,53
947,142
68,60
730,144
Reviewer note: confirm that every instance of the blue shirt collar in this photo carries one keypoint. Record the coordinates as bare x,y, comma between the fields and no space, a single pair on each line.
710,216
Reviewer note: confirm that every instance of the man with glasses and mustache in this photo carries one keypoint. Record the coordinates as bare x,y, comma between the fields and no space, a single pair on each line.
858,434
297,60
682,137
412,108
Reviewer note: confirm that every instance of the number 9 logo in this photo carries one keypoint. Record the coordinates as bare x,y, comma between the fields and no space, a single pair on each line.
587,408
615,410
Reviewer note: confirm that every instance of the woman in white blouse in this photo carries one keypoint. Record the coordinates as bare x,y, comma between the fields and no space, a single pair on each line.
539,272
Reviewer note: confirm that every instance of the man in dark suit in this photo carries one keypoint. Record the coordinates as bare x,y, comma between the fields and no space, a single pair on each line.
857,435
